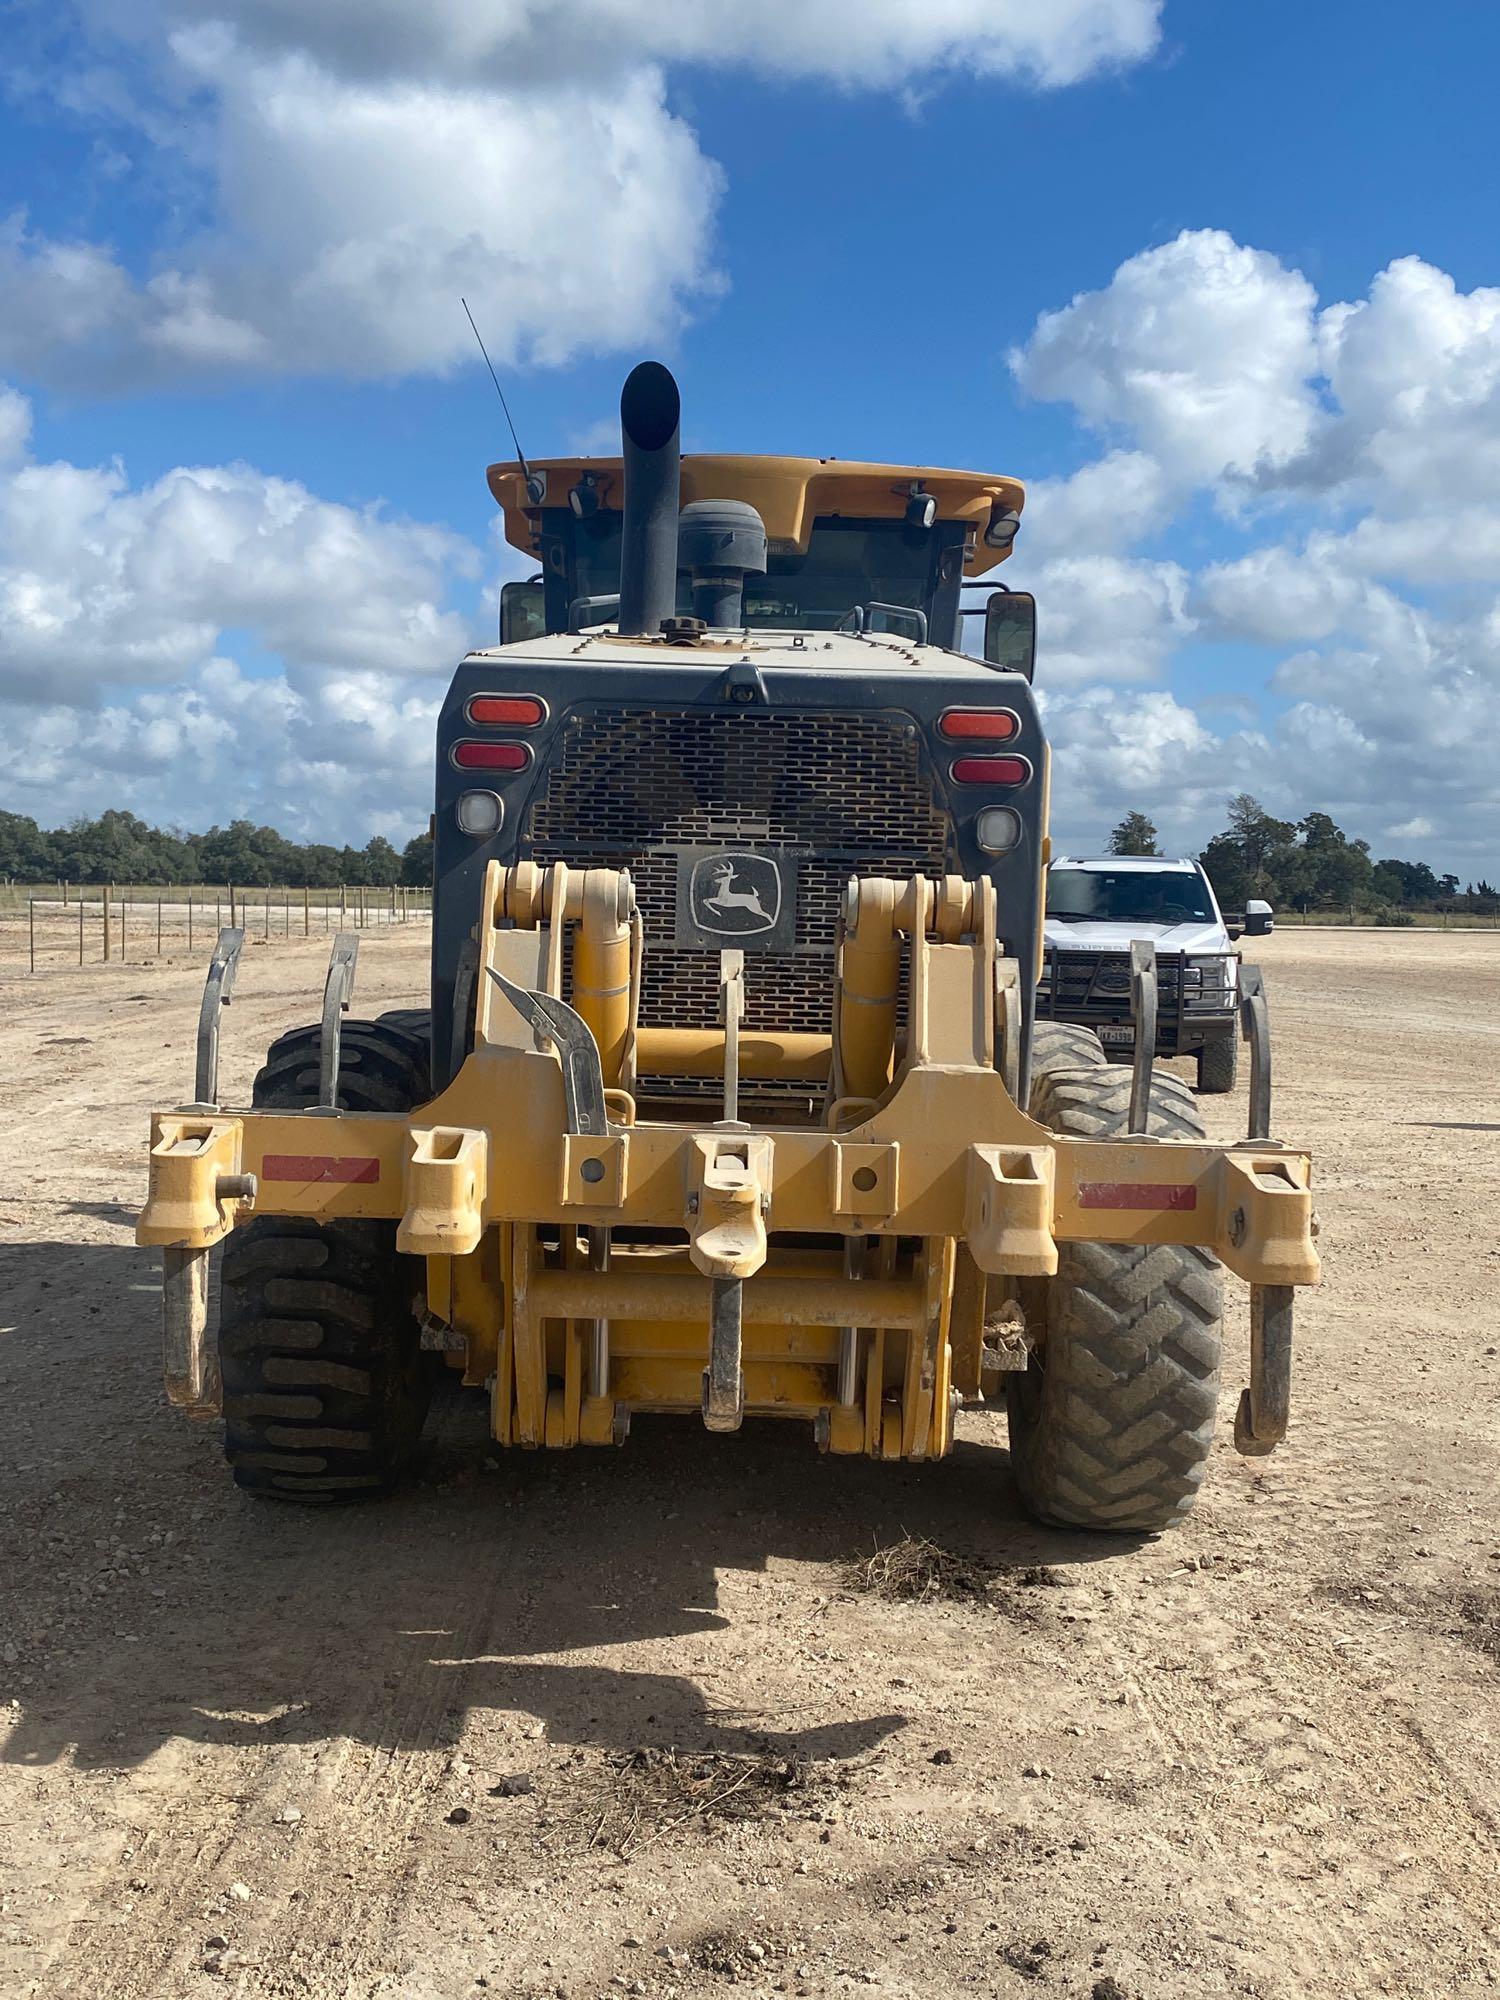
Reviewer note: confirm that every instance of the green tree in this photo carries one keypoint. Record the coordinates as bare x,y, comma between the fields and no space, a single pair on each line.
25,851
1135,834
417,862
1335,869
1255,855
382,863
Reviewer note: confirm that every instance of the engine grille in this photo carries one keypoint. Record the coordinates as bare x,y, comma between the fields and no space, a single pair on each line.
844,792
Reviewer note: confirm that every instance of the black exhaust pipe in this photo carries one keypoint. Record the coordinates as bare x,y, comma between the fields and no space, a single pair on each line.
650,419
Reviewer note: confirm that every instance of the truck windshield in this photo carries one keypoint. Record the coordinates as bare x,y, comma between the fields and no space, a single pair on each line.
1127,896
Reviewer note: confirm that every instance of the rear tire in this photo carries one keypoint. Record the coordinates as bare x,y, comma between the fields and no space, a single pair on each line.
1112,1423
1218,1066
325,1381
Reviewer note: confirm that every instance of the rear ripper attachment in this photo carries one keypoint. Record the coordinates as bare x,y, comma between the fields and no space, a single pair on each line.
583,1263
732,1101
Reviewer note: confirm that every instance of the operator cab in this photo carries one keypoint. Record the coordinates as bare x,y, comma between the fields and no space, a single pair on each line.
849,547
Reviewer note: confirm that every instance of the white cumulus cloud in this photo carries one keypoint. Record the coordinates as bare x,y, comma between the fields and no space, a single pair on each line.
367,163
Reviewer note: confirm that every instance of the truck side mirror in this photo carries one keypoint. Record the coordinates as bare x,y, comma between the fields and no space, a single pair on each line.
1010,632
1260,920
523,611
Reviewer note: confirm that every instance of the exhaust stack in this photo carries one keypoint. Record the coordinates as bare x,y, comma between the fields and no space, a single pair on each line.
650,421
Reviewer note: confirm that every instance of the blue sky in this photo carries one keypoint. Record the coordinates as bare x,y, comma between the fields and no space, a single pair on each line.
243,524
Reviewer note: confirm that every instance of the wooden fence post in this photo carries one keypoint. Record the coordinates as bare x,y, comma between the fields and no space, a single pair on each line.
80,925
104,903
31,927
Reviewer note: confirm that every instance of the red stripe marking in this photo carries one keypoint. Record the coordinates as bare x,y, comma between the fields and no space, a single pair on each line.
1137,1194
308,1168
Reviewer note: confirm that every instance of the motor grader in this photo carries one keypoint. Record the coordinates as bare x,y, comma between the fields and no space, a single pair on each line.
732,1100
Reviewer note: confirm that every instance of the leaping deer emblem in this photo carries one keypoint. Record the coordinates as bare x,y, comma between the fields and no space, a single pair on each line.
726,897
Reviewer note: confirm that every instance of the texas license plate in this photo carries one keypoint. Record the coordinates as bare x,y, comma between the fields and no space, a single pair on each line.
1116,1038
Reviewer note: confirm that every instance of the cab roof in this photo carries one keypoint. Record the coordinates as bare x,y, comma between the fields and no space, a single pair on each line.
1146,864
788,493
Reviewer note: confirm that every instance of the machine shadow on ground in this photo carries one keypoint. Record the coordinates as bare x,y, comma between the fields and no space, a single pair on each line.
468,1590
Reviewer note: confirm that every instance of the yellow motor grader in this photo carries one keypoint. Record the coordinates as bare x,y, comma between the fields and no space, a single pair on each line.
732,1099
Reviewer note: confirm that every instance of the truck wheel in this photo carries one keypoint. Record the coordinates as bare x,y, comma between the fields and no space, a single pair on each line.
1112,1423
1218,1066
325,1381
1061,1045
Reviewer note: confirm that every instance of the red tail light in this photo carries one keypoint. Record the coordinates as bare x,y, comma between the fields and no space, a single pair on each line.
491,756
514,711
992,725
989,771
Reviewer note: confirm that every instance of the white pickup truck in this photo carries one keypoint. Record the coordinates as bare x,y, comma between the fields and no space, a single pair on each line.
1097,906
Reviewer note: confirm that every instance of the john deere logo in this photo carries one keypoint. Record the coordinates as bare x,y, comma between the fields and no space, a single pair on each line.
737,894
728,898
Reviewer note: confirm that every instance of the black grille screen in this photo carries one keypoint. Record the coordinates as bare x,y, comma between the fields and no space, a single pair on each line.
845,792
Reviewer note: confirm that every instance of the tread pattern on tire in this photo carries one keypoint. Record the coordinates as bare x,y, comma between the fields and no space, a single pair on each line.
1218,1066
1112,1425
1063,1045
325,1381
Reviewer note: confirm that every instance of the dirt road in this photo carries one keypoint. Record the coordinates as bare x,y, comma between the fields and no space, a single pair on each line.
392,1751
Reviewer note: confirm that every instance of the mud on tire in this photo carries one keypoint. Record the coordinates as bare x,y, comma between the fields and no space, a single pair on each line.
325,1382
1112,1424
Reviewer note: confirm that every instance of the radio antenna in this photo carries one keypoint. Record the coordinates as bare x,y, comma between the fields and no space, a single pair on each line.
534,487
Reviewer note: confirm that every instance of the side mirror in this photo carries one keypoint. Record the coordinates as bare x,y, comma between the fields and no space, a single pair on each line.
1010,632
1260,920
523,611
1234,932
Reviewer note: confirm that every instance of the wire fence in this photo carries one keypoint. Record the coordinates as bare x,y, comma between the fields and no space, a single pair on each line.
94,924
1349,918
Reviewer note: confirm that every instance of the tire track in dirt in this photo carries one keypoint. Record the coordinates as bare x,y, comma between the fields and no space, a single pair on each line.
1336,1878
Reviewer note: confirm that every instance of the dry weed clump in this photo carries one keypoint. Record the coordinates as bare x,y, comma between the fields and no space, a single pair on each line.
916,1570
649,1794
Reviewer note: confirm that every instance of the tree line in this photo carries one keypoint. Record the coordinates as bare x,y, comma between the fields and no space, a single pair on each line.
118,847
1312,864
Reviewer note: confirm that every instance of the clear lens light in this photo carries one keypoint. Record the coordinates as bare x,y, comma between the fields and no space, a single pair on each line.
998,829
480,814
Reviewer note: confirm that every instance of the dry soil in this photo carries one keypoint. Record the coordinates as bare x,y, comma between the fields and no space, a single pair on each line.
616,1721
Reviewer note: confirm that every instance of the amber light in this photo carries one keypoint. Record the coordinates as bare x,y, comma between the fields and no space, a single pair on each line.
515,711
990,771
991,725
491,756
